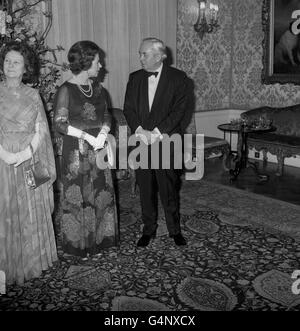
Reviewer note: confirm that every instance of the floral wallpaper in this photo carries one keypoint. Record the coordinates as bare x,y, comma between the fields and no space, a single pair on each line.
226,66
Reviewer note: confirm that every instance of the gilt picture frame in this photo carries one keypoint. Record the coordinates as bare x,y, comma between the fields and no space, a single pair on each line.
281,42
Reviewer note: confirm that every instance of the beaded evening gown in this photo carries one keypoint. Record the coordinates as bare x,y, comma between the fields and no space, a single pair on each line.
88,208
27,241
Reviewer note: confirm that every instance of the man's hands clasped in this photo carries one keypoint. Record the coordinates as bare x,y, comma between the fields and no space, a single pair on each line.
148,137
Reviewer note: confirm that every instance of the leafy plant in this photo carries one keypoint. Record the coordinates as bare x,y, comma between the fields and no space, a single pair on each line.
19,27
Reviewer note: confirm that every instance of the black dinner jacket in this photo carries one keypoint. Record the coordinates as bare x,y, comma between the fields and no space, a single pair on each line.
168,106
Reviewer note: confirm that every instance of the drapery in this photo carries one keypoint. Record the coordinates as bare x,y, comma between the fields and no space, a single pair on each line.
117,26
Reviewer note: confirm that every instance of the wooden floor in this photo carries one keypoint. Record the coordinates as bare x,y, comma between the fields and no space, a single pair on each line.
285,188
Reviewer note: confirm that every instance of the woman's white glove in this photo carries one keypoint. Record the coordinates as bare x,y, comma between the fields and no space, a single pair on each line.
90,139
82,135
100,140
7,157
23,156
102,136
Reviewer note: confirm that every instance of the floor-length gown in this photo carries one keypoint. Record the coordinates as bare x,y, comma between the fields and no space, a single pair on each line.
27,241
88,207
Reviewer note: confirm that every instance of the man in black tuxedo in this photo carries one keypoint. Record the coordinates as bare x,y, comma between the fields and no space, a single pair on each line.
155,103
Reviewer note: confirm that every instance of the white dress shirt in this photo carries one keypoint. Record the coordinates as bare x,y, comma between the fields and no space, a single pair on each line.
152,86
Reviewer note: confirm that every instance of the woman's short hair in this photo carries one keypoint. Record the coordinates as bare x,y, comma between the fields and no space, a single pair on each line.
158,45
31,60
81,56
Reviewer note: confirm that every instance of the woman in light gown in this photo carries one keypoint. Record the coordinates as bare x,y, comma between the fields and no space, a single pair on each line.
89,219
27,242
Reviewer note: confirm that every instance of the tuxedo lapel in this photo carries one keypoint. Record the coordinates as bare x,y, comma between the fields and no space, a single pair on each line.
161,89
144,99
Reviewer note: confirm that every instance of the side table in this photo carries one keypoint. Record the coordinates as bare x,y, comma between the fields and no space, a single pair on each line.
242,161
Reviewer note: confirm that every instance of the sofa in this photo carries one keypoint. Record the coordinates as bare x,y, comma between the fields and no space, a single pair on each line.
284,141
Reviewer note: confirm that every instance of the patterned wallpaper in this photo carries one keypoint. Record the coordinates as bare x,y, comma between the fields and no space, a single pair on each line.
226,66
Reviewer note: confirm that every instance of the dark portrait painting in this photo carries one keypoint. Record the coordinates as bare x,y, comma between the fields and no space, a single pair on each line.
281,24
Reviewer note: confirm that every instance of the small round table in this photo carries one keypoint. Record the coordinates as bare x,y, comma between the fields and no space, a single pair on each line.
242,161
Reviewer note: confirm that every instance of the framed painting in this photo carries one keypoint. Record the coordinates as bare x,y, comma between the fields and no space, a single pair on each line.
281,43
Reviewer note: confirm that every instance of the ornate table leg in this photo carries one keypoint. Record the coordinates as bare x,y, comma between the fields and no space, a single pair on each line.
225,157
240,162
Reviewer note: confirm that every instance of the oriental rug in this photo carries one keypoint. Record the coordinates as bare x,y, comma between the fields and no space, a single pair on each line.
242,251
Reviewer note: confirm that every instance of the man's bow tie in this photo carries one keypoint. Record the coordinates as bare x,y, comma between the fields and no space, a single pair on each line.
150,73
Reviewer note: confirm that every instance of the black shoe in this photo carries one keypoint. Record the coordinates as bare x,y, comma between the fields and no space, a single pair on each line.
144,240
179,240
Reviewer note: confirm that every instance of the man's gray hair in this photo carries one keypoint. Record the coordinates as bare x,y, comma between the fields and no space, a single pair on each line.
157,45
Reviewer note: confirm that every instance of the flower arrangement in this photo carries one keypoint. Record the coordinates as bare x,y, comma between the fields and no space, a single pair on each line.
20,26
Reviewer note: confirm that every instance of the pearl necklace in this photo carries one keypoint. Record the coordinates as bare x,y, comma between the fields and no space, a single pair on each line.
89,92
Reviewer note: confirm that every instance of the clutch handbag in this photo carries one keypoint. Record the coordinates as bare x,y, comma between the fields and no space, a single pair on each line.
35,173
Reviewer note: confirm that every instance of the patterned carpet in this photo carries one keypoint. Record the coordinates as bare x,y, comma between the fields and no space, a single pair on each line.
242,250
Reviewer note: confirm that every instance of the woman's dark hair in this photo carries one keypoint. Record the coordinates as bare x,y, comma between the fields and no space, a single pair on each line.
31,60
81,56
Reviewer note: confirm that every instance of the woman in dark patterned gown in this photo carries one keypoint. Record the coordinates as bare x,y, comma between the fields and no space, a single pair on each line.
88,216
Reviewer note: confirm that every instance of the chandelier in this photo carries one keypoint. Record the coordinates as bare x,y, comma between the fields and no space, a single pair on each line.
207,21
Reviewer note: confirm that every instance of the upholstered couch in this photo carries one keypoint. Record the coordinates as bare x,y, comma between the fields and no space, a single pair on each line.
284,141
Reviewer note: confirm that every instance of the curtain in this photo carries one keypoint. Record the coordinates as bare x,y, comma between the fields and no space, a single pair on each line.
118,27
